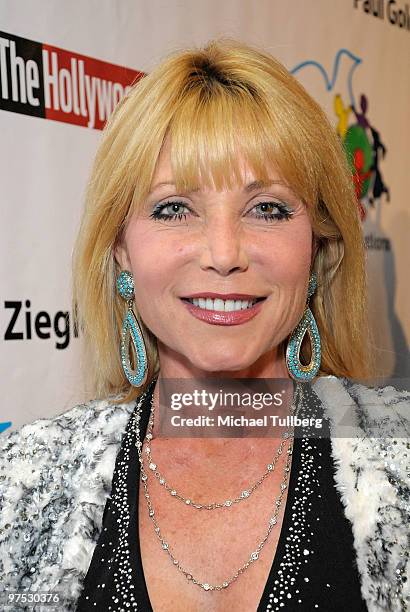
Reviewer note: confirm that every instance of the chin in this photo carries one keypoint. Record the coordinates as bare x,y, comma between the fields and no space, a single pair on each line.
222,363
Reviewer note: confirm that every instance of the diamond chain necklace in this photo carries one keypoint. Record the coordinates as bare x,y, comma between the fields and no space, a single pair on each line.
245,494
254,556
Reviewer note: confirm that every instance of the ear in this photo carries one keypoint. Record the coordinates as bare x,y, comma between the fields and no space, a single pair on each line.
121,255
315,248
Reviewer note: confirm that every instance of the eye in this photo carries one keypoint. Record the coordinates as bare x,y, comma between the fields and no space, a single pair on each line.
272,210
169,211
178,210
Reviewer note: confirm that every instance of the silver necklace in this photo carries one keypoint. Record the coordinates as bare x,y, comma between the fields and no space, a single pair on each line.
245,494
254,556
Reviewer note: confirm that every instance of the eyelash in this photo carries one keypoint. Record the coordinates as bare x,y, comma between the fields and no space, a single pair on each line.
284,214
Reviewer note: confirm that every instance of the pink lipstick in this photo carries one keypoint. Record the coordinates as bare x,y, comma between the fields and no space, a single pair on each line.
219,317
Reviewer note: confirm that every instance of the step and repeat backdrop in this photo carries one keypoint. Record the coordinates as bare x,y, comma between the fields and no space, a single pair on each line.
63,68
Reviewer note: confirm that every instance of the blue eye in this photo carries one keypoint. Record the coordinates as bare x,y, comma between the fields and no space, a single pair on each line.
270,211
175,208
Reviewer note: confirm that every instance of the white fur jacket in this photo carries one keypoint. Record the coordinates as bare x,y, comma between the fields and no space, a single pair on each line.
55,477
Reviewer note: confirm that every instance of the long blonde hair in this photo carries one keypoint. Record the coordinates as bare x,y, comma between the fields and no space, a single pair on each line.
213,103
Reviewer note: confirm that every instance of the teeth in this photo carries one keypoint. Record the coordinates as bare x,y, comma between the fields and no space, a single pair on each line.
222,305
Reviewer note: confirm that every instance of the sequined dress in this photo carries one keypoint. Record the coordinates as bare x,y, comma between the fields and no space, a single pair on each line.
314,567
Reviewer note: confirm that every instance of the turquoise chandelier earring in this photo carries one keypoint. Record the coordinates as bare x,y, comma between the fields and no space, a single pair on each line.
131,335
297,370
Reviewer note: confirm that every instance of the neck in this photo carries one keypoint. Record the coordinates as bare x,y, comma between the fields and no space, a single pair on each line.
269,365
173,365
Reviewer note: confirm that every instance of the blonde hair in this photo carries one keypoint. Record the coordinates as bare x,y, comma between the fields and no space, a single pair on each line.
213,103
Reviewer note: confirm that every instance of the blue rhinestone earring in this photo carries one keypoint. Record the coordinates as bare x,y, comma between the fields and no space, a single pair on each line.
131,335
298,371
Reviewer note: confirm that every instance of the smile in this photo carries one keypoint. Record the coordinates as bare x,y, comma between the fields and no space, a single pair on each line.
222,305
217,311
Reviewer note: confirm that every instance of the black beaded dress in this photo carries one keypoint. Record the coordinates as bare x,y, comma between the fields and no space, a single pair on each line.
314,567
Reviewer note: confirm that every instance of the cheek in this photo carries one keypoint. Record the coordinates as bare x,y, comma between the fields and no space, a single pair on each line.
287,256
155,257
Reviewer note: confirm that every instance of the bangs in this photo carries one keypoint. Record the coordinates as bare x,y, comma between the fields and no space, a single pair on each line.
213,135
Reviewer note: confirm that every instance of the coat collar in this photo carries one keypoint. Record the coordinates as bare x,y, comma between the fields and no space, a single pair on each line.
91,490
370,476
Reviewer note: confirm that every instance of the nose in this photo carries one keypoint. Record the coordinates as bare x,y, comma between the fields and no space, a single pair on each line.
224,249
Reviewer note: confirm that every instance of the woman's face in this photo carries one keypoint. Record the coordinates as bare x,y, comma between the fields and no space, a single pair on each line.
253,242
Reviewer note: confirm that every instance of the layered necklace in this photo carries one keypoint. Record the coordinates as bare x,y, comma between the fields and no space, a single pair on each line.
287,436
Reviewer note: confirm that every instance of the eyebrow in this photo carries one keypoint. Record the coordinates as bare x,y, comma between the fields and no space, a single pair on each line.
254,186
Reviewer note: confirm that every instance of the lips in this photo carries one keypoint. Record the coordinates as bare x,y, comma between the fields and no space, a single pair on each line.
219,317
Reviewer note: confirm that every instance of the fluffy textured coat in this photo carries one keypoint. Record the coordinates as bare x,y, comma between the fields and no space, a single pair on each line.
55,477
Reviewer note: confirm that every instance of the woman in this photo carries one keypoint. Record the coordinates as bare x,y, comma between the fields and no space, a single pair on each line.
221,224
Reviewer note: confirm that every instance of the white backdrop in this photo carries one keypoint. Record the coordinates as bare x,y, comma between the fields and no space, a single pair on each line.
334,48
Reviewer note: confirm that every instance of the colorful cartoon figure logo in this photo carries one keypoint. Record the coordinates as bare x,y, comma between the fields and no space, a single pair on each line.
363,146
361,140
